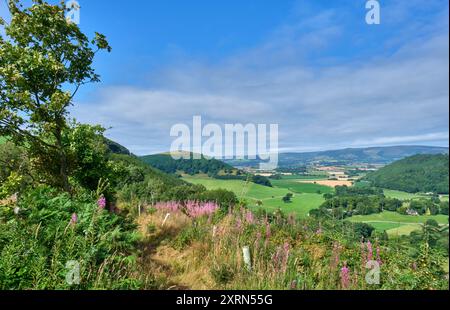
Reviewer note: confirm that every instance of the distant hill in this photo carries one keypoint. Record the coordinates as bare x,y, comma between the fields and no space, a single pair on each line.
418,173
371,155
165,162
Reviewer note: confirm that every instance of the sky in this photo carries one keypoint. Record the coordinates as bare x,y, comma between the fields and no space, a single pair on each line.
315,68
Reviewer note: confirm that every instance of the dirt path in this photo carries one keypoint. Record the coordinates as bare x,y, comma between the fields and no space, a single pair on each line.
179,268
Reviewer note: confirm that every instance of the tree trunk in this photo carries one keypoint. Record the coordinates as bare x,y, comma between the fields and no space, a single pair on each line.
63,173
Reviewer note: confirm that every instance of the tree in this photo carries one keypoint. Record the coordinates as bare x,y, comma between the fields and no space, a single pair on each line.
287,198
44,60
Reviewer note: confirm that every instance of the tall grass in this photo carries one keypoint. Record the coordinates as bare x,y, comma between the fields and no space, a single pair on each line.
286,253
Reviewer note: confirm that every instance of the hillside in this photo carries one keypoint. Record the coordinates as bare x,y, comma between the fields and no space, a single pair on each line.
418,173
372,155
165,162
116,148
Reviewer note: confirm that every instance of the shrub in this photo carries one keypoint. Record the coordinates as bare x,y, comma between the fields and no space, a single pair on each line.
52,229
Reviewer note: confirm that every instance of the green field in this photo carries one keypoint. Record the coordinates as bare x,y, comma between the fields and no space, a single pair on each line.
402,195
306,197
388,216
397,224
271,197
297,187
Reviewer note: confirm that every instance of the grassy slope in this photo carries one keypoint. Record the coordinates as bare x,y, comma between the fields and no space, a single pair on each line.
270,196
402,195
388,216
297,187
397,224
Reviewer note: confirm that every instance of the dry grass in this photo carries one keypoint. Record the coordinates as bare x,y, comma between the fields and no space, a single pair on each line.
180,269
12,200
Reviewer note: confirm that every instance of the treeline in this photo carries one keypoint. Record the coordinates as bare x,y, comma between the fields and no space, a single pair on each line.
350,201
418,173
166,163
212,167
257,179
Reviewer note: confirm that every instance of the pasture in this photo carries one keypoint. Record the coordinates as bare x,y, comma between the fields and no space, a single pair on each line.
396,224
296,186
402,195
304,197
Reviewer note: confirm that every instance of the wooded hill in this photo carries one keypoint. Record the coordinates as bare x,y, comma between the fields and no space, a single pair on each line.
165,162
212,167
418,173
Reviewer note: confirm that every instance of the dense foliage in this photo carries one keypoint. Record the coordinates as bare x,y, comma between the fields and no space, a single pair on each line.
419,173
168,164
47,230
44,61
349,201
210,166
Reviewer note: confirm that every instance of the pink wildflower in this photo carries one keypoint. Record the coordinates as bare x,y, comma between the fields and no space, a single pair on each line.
369,251
238,224
249,217
286,249
101,202
378,256
197,209
74,219
345,276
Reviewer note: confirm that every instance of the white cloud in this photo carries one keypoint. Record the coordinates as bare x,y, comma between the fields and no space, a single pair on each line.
387,99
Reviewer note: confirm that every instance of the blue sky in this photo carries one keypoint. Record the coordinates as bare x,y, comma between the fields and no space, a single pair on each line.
314,67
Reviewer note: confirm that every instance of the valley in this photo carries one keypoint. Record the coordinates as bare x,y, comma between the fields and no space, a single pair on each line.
308,191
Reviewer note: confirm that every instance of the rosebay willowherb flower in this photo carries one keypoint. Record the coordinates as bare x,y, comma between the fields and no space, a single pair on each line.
369,251
73,219
197,209
101,202
378,256
286,248
249,217
345,276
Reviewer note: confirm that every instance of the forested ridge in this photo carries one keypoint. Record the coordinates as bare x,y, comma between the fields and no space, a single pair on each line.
418,173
